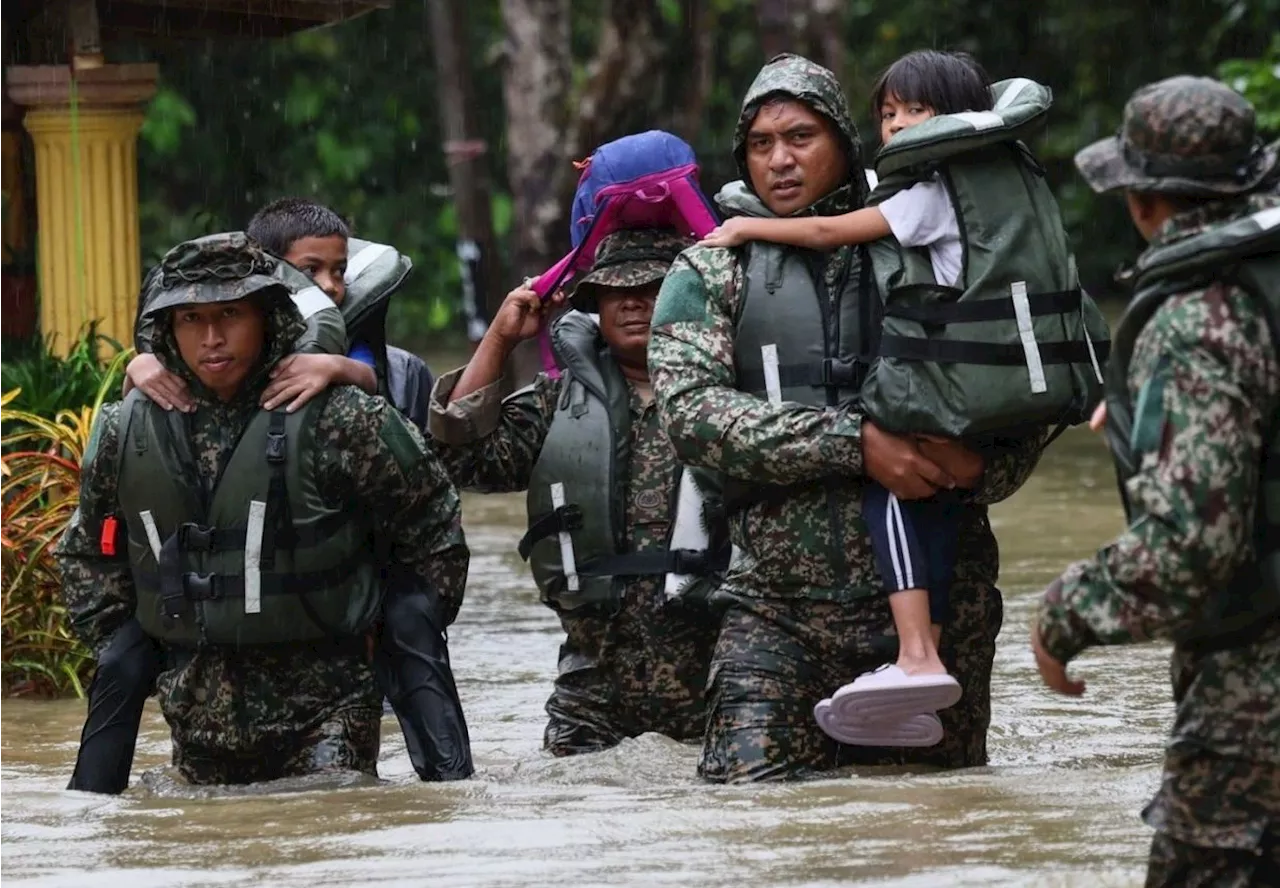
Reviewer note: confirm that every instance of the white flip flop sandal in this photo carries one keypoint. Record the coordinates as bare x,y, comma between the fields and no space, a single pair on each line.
889,694
924,729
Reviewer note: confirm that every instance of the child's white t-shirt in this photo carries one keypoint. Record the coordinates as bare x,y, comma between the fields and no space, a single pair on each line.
922,216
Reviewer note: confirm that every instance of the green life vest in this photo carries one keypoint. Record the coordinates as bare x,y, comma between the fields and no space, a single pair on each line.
794,343
1246,252
1017,346
374,273
261,560
578,486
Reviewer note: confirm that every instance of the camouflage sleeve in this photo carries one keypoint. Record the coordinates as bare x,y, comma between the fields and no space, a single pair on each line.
1008,466
1198,435
372,459
713,425
97,589
489,443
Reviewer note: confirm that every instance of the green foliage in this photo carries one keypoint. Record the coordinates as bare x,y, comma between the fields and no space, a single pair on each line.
1259,81
50,383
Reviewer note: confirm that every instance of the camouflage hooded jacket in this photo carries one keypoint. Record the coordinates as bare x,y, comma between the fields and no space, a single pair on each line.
235,700
813,544
1209,356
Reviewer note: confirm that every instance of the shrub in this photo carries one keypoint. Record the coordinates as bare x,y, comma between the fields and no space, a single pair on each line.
40,472
50,383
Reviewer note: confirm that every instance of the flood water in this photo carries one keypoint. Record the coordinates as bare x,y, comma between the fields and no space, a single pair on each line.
1057,806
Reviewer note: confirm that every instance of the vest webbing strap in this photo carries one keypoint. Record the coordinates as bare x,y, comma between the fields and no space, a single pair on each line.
196,538
279,523
192,586
988,353
567,518
657,562
979,311
842,373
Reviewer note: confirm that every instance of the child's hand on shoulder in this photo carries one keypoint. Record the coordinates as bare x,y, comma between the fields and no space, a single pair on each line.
299,378
730,233
148,375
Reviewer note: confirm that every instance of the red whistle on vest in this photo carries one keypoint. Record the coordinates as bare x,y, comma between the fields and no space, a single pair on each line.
110,527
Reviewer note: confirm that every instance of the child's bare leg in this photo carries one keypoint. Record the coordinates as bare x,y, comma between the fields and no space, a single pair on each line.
917,636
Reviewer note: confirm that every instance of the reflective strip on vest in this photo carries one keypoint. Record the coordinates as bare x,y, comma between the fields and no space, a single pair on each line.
1267,218
362,260
1013,89
566,541
153,535
1093,356
980,120
1027,333
253,557
772,382
311,300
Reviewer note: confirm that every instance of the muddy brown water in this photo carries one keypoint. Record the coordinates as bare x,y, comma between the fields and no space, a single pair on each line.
1057,806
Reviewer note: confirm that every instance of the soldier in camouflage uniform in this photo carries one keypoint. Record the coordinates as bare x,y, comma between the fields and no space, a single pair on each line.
804,609
1192,421
244,714
638,663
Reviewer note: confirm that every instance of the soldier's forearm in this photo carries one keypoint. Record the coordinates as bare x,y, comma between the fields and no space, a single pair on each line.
484,369
463,420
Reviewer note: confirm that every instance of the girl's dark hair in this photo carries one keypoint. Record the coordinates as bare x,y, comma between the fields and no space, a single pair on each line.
947,82
281,223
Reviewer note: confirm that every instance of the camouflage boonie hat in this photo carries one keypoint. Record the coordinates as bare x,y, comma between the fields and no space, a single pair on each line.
214,268
630,258
1190,136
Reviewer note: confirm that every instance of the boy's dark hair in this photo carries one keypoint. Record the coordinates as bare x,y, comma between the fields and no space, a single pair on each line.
281,223
947,82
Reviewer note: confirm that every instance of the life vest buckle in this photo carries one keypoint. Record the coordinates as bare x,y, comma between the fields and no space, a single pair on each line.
687,561
194,538
837,372
201,587
275,447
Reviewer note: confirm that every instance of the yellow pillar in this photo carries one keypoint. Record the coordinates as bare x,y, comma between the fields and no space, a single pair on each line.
86,170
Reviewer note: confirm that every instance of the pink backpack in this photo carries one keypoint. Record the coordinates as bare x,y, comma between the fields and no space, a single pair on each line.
646,180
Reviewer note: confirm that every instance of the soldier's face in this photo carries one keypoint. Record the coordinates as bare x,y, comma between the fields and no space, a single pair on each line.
221,342
324,260
794,156
625,313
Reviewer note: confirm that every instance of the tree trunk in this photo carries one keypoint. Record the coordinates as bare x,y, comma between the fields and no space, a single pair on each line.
700,27
826,29
478,260
536,93
773,18
622,77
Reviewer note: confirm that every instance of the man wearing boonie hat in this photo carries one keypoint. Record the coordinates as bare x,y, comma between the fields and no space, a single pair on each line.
1192,418
609,528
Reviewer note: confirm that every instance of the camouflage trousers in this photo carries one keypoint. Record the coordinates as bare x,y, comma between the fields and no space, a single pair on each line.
1175,864
347,741
1217,823
776,658
642,670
